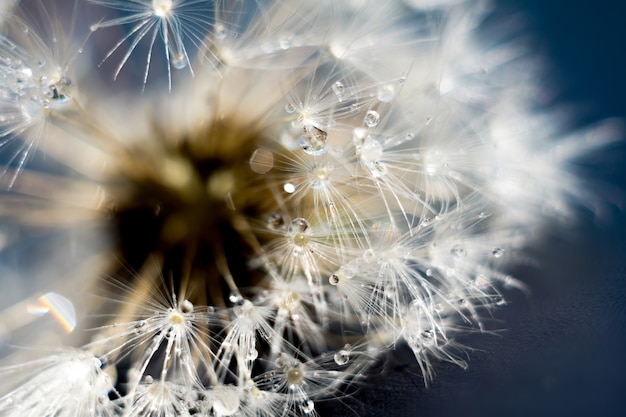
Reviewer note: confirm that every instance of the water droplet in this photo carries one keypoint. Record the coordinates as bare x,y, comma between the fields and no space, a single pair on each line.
386,93
284,44
275,221
391,291
220,31
342,357
307,406
300,231
295,376
141,327
340,90
371,150
313,141
253,354
369,256
427,336
60,92
377,169
497,252
333,279
372,118
210,309
226,402
148,379
179,61
290,108
235,298
186,307
457,251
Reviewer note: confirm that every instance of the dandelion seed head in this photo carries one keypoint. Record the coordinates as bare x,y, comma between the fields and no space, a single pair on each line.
317,183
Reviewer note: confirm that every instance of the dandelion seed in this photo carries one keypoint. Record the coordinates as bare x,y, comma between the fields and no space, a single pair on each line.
181,24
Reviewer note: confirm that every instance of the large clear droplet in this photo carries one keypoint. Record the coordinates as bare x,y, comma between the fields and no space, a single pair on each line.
342,357
226,402
300,231
295,376
186,307
371,150
60,92
179,61
313,140
372,118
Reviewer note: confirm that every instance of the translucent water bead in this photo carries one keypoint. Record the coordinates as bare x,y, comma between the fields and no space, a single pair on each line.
313,141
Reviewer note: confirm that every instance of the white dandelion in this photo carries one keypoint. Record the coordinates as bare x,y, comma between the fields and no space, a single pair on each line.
331,181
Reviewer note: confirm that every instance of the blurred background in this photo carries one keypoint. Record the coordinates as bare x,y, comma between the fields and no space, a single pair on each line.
562,349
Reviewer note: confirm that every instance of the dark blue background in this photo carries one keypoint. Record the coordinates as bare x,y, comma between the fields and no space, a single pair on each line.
563,352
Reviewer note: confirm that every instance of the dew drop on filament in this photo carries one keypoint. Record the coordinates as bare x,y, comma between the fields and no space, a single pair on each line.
313,141
275,221
342,357
179,61
340,90
307,406
372,118
299,231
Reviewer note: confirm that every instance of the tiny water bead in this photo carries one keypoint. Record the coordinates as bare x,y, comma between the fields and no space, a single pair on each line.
299,231
186,307
497,252
140,327
333,279
313,140
290,108
372,118
320,177
307,406
342,357
457,251
340,90
275,221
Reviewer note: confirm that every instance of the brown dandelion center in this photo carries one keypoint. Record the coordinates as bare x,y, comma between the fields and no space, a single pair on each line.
187,206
